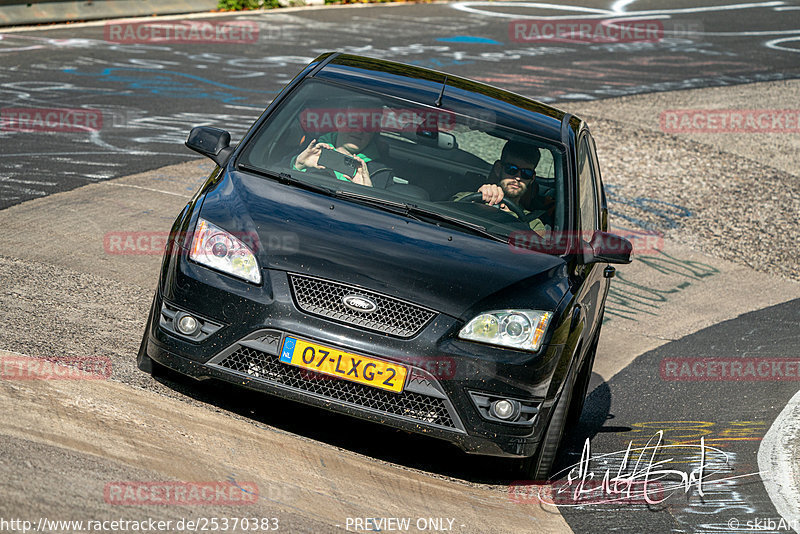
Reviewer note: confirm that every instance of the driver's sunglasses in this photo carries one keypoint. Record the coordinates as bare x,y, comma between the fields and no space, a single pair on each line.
513,170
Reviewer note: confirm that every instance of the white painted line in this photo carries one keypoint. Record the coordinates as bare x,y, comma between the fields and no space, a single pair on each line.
202,15
24,190
706,9
103,22
26,182
743,34
778,469
128,152
467,6
596,13
146,189
774,44
620,5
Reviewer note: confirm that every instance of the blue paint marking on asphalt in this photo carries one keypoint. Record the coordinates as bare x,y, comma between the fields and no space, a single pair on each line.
669,213
108,71
468,39
288,349
164,83
433,63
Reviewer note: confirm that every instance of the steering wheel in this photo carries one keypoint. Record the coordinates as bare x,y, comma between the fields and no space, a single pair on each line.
380,176
510,204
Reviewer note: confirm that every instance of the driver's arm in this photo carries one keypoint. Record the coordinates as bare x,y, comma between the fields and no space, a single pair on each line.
489,194
492,193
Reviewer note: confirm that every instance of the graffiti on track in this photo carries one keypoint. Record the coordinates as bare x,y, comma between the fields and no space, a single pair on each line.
630,300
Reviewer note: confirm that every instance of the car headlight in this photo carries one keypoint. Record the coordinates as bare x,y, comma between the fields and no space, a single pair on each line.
517,329
214,247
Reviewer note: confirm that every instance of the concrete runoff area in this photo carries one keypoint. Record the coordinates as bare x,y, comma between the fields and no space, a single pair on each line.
72,291
141,436
653,112
733,195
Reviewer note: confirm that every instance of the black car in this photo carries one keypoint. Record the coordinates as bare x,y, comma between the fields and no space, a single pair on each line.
342,255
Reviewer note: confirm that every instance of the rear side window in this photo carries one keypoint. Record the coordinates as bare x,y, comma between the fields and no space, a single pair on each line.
587,191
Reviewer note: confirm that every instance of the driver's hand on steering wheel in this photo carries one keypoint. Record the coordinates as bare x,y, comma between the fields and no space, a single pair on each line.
492,194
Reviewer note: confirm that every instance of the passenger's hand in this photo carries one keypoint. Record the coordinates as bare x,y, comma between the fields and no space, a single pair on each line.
310,156
362,174
492,193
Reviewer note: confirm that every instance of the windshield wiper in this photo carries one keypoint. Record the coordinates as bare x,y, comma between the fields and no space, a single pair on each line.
477,228
389,205
413,211
286,178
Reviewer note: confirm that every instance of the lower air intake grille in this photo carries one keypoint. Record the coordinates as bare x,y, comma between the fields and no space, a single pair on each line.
266,367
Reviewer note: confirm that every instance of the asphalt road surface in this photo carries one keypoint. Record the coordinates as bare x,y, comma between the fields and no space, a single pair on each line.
148,95
63,188
730,416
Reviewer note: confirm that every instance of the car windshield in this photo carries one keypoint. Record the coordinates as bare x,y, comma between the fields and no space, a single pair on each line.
376,149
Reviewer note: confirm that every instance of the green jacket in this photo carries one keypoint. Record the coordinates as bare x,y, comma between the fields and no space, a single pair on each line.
330,138
535,224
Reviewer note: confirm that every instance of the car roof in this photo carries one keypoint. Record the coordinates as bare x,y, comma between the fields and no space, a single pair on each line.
461,95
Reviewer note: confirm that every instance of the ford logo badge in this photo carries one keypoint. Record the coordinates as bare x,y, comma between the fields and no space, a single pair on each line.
359,303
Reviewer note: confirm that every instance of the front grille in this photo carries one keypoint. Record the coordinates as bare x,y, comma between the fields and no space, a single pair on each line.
392,316
409,404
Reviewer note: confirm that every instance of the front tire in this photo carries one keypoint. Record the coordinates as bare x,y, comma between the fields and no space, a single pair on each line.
148,365
582,383
143,361
539,466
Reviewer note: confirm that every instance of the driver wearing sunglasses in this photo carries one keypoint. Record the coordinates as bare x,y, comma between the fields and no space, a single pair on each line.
513,176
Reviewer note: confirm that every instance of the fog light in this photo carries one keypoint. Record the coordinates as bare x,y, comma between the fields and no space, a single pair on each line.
188,325
503,409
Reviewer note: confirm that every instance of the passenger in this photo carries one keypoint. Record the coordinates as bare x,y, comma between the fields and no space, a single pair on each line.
351,144
360,144
513,176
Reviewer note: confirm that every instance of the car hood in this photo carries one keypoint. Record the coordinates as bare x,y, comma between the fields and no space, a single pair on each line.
448,270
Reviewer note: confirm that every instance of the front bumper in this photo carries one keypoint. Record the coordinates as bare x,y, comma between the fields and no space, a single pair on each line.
446,375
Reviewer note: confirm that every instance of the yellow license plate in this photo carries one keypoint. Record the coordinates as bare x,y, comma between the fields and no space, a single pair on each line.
333,362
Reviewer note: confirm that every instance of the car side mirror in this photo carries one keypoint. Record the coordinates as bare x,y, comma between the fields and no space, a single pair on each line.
608,248
211,142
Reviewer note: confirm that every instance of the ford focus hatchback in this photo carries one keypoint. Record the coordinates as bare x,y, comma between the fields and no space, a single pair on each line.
400,245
